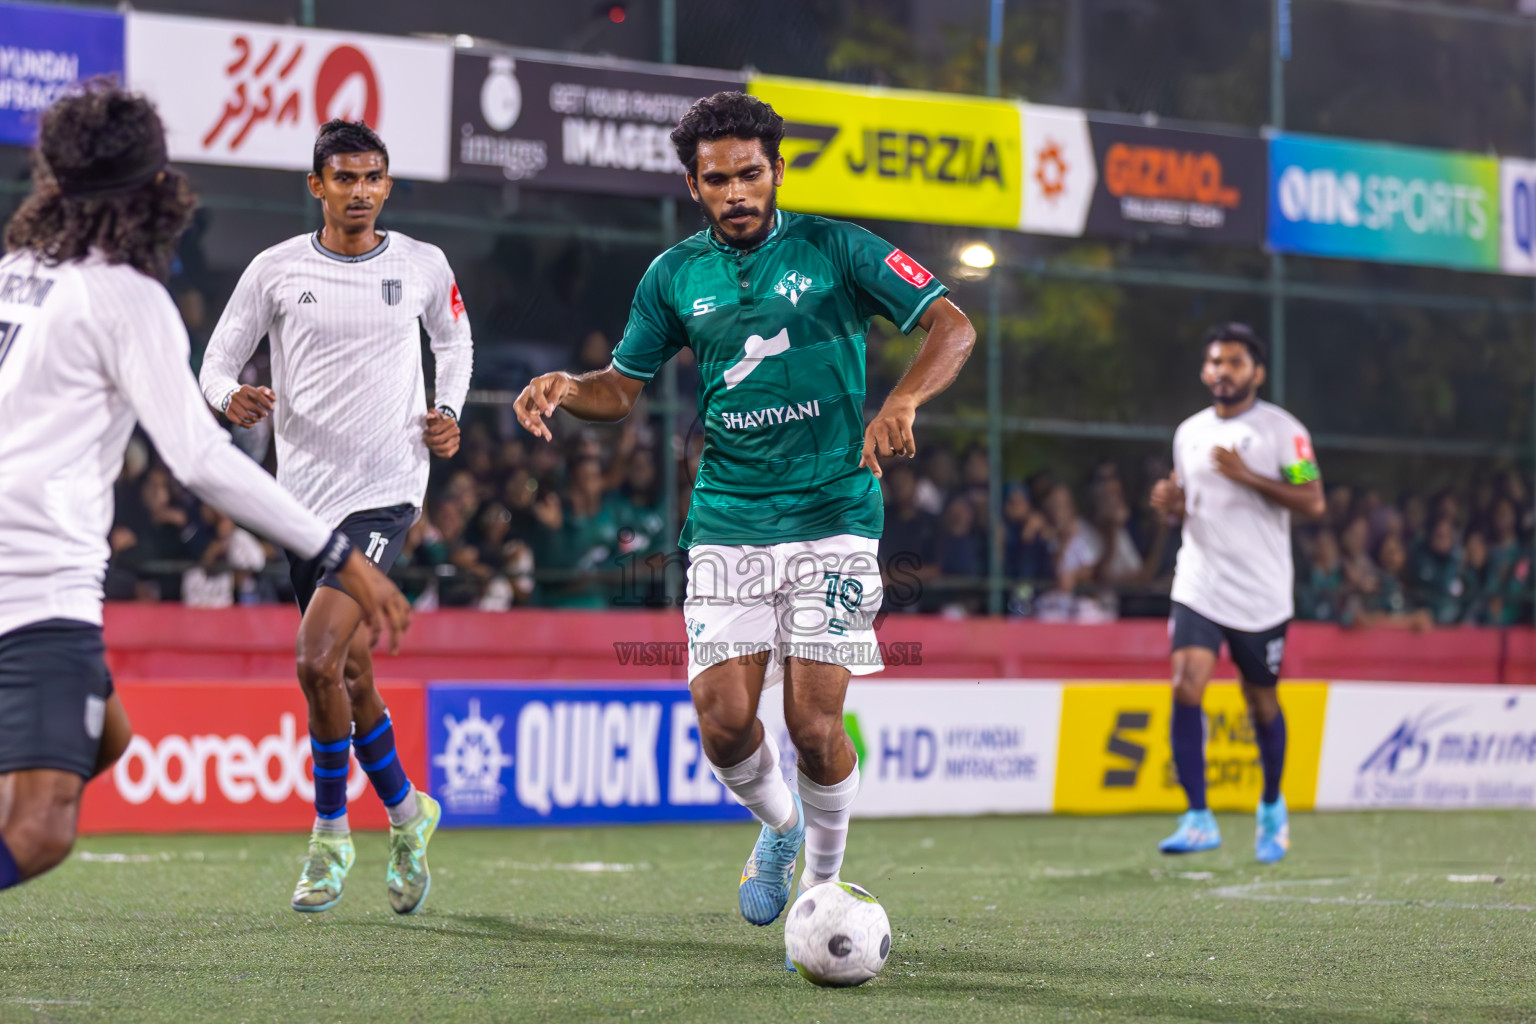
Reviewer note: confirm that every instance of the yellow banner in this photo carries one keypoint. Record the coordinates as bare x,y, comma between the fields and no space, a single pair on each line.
1115,754
897,154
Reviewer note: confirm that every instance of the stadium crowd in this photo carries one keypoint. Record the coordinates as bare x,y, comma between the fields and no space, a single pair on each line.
582,523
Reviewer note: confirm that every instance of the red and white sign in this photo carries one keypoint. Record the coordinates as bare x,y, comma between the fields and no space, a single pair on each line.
253,95
908,268
224,756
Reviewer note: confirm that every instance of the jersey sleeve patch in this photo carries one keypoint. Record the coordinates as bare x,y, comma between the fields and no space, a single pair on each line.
1304,469
455,300
908,269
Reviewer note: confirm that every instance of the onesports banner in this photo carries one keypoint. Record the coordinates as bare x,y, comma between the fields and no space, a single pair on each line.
44,49
1177,184
1329,197
253,95
222,755
584,127
1407,745
896,154
1115,756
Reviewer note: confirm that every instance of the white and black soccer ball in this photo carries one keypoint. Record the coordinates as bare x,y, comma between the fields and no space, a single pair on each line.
837,934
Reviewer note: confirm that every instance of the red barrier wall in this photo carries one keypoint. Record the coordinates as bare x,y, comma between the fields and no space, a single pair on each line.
171,642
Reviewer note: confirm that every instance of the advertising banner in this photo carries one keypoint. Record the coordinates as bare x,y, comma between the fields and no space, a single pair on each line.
946,747
253,95
224,756
572,126
897,154
1459,746
1115,756
1517,216
530,754
1377,202
1059,171
1178,184
43,49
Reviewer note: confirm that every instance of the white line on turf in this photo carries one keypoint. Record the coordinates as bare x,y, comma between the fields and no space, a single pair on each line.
1256,891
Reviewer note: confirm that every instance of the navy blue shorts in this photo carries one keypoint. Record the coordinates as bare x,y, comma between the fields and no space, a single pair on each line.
54,686
379,533
1256,655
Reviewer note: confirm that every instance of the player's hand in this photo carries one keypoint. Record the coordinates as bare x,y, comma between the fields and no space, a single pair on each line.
248,406
441,435
1168,496
540,399
384,607
889,435
1230,464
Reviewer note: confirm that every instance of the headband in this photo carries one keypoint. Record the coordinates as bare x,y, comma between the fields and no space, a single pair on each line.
110,176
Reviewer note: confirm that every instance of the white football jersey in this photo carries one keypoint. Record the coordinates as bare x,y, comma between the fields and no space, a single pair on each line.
346,365
1235,566
86,348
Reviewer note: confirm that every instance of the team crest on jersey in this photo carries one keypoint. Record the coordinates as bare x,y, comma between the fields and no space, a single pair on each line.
793,285
392,291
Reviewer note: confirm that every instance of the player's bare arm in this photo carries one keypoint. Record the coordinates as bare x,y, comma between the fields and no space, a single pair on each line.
604,396
1305,500
249,405
944,351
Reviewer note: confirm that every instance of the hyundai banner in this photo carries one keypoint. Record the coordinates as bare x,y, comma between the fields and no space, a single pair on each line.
1195,185
529,754
44,49
587,128
1377,202
1419,745
253,95
232,756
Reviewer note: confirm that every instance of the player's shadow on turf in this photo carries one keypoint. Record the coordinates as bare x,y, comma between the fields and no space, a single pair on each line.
487,926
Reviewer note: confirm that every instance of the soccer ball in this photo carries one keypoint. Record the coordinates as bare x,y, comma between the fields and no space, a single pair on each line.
837,934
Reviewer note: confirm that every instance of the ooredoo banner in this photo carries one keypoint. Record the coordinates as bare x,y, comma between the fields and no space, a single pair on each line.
589,128
1115,754
1195,185
253,95
1392,745
527,754
228,756
44,49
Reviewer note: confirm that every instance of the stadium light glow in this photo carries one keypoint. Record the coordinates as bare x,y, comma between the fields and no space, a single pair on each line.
978,255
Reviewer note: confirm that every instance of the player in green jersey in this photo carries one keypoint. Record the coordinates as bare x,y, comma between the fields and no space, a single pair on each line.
783,583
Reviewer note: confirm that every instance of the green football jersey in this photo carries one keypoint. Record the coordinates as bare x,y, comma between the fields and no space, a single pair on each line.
778,334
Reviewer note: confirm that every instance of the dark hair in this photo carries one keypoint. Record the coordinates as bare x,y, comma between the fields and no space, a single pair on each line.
727,115
338,136
1240,334
99,181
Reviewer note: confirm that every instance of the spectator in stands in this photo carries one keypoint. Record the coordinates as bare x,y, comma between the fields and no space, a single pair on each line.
962,555
1341,497
975,474
638,509
1157,536
1360,576
1415,512
577,539
1434,574
1508,581
1386,604
938,482
1102,551
1320,592
909,547
1026,554
1472,584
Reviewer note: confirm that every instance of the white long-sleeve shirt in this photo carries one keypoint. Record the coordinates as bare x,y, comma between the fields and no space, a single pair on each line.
87,348
346,365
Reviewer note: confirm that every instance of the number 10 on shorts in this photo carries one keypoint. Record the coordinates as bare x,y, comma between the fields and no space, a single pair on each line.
847,591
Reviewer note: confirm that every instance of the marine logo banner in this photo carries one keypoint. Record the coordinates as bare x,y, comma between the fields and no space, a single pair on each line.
896,154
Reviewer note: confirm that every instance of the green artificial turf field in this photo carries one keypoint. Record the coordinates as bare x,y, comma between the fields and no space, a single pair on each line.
1021,919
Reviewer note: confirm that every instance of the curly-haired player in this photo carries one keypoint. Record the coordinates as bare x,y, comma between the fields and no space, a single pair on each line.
90,341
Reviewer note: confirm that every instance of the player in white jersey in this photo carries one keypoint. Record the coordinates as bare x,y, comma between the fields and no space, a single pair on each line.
90,341
1241,469
342,309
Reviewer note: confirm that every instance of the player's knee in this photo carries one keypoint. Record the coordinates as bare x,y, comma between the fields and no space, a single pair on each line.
1188,687
318,675
724,726
1263,702
40,840
817,737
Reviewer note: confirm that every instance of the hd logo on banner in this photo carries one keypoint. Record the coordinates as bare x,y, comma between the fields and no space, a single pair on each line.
896,154
511,754
253,95
1389,203
42,50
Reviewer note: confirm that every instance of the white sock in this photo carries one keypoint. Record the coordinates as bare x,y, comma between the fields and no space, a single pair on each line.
335,825
403,811
760,786
826,826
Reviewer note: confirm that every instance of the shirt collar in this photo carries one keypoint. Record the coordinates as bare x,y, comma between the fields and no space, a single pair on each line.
780,216
359,258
